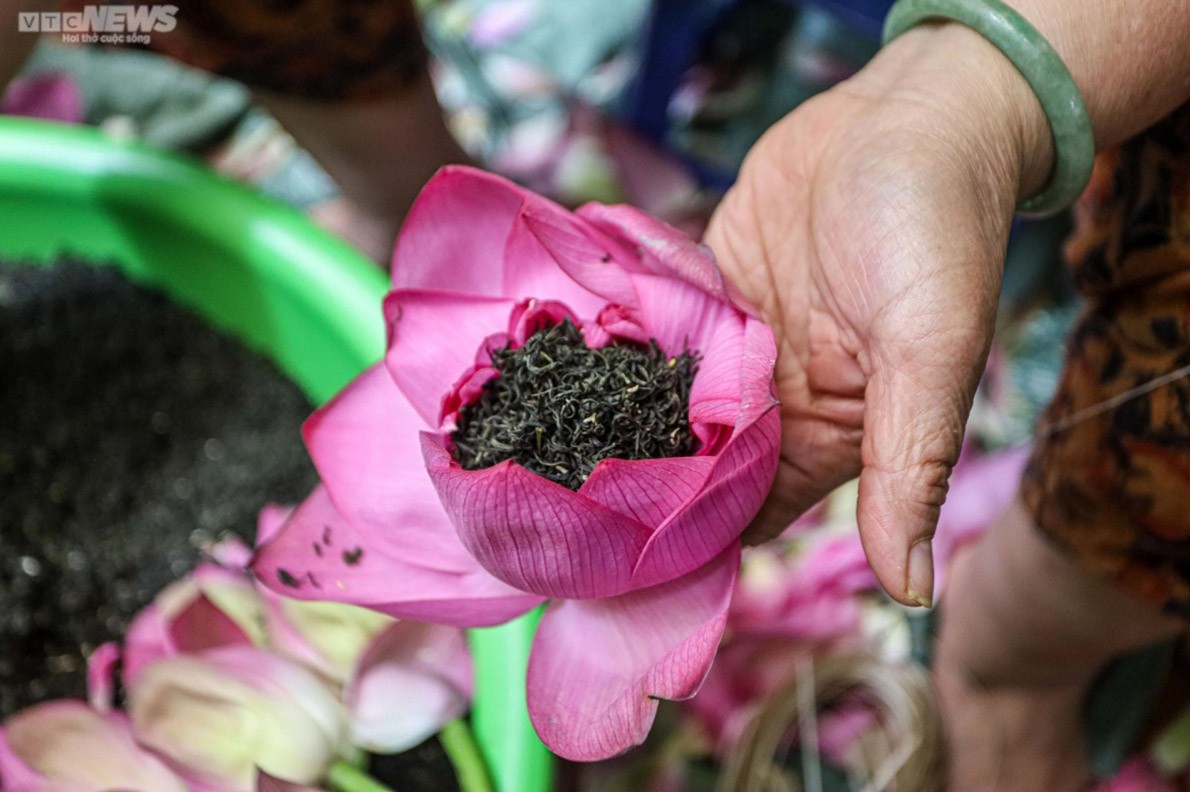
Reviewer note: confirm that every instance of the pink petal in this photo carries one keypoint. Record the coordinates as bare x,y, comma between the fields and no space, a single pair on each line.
196,613
715,518
598,667
750,384
372,570
649,489
365,445
535,534
813,599
328,637
267,783
680,316
1137,776
413,680
615,322
15,774
853,573
666,251
455,232
715,394
203,625
981,489
553,254
434,337
739,353
222,714
231,552
146,640
466,392
532,316
101,676
49,96
733,386
839,730
69,743
272,517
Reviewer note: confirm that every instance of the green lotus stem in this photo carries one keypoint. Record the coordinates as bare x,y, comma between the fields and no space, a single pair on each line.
346,777
470,768
516,759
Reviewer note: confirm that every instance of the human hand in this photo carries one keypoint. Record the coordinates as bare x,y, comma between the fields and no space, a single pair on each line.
869,226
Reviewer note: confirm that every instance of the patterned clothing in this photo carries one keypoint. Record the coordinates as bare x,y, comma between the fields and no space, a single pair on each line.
1112,484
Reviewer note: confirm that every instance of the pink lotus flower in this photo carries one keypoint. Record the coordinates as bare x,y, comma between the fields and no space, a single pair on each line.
223,716
65,746
211,608
401,681
641,558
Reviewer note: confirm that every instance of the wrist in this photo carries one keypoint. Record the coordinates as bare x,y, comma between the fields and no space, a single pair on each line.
963,91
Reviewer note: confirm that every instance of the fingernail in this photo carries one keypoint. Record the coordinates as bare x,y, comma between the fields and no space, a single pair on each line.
920,586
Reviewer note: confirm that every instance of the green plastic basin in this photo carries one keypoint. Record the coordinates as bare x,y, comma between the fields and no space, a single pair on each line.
257,269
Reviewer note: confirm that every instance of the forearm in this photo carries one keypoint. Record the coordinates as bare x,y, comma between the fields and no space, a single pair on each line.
1130,58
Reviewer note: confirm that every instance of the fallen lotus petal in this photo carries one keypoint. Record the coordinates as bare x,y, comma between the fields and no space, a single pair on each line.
224,715
65,746
413,679
485,275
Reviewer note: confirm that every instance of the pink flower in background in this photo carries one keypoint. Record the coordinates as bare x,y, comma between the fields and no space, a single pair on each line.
412,680
787,608
211,608
329,637
641,557
981,488
233,688
400,681
1138,776
221,716
49,96
65,746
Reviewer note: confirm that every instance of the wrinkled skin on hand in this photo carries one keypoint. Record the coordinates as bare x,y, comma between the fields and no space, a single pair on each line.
870,227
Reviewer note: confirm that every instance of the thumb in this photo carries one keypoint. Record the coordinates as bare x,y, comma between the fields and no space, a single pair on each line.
915,412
